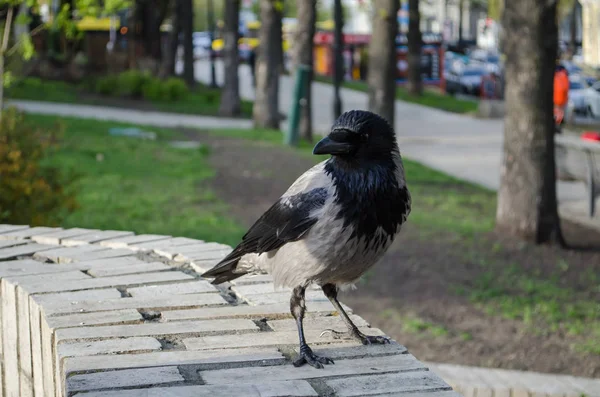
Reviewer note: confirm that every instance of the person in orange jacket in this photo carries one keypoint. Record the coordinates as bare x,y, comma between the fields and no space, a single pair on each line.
561,93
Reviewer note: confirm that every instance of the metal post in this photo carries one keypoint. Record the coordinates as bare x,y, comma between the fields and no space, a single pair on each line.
337,48
302,72
211,28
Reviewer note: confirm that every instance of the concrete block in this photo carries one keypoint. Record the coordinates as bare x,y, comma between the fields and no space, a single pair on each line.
362,366
102,263
36,349
9,228
276,311
56,237
27,233
352,350
155,329
70,298
191,287
95,237
132,279
202,266
202,248
141,268
282,297
98,318
123,378
265,339
110,346
317,323
173,242
408,382
112,253
22,250
25,267
158,303
24,344
171,251
62,254
10,355
124,242
268,288
202,255
267,356
12,243
296,388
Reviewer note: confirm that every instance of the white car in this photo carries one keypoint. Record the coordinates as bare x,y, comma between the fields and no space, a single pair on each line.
592,100
577,87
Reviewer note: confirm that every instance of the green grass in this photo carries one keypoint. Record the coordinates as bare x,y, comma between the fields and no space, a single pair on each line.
415,325
143,186
202,100
444,203
430,98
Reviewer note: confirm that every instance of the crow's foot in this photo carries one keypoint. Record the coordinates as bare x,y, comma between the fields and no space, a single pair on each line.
356,334
307,356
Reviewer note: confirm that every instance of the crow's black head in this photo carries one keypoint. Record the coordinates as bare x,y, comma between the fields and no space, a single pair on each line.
360,135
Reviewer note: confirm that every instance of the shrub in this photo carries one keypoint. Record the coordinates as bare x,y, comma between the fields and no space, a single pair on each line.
30,193
175,89
131,83
154,89
108,85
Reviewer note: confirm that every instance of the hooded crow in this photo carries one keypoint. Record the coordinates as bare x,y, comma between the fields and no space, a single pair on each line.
333,224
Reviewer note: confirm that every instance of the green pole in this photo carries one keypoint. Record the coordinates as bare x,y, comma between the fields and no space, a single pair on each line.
302,71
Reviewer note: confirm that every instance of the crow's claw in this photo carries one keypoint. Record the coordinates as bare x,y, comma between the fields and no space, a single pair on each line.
356,334
307,356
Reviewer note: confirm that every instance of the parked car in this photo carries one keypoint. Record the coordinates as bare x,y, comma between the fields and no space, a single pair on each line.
465,81
592,100
577,87
202,43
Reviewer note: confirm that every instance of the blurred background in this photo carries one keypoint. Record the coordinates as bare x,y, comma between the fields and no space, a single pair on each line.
191,117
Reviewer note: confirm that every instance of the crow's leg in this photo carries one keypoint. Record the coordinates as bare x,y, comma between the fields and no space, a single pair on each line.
331,291
297,308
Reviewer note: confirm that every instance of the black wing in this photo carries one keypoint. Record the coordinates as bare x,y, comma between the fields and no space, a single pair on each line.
287,220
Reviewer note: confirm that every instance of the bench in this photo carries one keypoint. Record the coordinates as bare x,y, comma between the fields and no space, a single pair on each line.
579,160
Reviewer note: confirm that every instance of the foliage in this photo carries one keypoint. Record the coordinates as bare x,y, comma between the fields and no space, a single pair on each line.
30,193
132,82
137,84
107,85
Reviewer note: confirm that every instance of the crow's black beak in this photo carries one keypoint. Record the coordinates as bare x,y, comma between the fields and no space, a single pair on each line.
329,146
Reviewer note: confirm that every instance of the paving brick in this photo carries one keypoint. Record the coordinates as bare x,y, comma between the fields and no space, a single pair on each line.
443,393
132,279
264,289
159,303
9,228
124,242
352,350
201,267
387,383
110,346
62,254
362,366
36,349
280,310
173,242
140,268
69,298
191,287
101,318
265,356
95,237
24,344
151,329
171,251
56,238
265,339
27,267
22,250
10,357
124,378
104,263
27,233
12,243
297,388
111,253
281,297
317,323
202,255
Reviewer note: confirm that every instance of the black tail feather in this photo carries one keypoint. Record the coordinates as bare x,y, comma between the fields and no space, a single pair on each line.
224,271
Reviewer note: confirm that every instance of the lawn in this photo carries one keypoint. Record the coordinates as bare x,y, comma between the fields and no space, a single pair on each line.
202,100
139,185
430,97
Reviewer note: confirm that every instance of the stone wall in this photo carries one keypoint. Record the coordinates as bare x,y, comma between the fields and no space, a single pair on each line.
109,313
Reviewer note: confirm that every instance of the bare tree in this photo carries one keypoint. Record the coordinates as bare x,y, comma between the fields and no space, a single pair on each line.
230,97
268,65
527,204
415,86
303,55
187,28
382,58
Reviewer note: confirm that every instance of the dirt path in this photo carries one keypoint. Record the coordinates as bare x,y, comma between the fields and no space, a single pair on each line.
413,294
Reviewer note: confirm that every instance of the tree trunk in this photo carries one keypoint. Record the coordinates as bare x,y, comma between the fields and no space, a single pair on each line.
338,59
230,97
303,54
382,59
573,38
415,86
268,65
171,59
187,27
461,6
3,49
527,204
